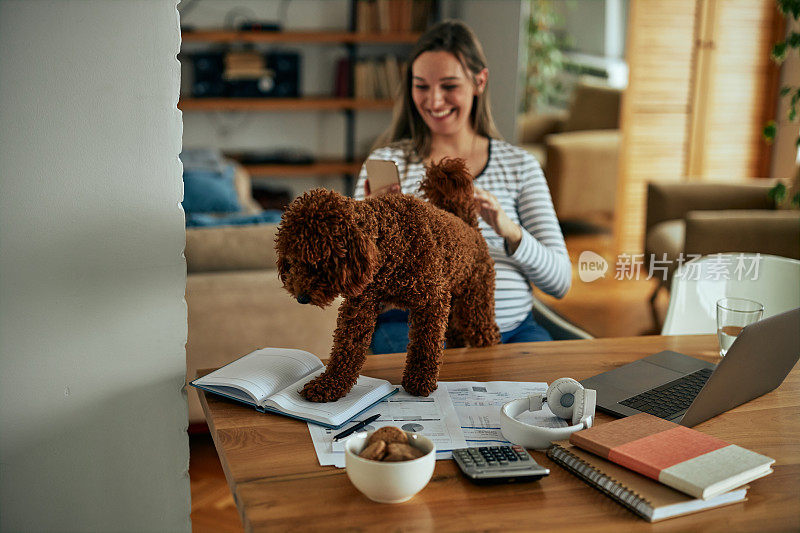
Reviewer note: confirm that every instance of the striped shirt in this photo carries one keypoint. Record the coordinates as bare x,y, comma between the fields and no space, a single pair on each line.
516,179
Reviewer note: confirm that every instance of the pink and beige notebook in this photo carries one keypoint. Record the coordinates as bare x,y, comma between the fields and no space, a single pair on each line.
647,498
682,458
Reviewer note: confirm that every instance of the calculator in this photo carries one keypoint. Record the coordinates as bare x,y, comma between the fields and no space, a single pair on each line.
498,464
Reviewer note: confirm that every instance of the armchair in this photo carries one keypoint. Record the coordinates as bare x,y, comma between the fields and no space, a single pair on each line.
708,218
578,150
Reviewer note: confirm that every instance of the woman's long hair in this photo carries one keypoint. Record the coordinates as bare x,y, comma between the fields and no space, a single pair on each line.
457,38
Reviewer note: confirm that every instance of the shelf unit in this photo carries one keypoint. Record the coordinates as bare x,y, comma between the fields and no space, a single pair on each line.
322,167
347,166
310,37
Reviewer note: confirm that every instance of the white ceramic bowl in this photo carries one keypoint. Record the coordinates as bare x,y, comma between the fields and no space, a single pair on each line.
389,482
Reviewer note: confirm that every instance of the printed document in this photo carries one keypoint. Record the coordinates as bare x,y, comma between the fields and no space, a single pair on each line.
432,416
478,404
458,414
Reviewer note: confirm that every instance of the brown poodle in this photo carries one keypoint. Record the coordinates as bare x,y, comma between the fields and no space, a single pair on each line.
394,249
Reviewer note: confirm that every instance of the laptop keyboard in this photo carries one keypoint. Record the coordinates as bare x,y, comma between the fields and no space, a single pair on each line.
668,400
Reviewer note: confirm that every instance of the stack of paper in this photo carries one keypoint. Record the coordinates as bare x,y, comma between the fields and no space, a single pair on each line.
457,415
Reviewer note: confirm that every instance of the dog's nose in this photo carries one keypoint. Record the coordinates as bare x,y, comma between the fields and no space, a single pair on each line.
303,298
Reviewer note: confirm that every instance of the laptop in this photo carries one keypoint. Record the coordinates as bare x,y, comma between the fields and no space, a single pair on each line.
688,391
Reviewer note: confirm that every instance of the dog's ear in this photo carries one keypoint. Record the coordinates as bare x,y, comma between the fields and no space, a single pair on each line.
358,267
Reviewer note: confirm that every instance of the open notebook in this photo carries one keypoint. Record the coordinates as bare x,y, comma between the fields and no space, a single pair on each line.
270,380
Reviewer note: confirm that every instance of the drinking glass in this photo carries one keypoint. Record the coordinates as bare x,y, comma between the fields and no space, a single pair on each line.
733,314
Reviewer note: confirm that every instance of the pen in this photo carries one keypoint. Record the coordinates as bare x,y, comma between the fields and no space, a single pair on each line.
355,428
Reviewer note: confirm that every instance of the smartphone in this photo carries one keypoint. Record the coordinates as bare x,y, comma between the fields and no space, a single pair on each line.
382,173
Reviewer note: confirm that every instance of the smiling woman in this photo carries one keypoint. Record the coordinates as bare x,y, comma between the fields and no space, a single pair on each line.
444,111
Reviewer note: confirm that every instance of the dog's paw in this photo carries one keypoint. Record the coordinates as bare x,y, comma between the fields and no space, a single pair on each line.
323,389
419,387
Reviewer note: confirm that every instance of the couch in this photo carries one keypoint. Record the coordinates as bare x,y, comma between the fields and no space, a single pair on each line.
579,151
236,302
705,218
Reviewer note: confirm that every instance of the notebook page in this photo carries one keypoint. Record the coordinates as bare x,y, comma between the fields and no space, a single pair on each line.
263,372
364,393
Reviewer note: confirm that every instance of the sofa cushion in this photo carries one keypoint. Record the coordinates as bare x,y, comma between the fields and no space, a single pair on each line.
206,191
666,238
581,171
594,107
231,248
772,232
195,220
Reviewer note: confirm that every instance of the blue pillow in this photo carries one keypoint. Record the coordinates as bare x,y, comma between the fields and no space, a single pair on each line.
200,220
205,191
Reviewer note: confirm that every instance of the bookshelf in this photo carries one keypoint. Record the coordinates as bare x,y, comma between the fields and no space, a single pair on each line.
309,37
322,167
371,22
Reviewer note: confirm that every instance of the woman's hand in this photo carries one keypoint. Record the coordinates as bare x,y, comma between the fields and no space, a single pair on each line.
394,188
492,213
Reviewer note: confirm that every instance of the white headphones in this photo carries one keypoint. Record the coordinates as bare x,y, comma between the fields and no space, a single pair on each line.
566,398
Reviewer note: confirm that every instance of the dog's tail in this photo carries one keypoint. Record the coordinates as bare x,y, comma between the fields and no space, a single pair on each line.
448,185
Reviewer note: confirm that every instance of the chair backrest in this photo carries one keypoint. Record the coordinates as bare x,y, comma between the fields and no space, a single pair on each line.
559,328
697,285
594,107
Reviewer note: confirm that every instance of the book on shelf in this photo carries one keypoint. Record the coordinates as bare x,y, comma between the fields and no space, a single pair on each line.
270,380
244,66
392,16
394,74
377,78
683,458
421,13
642,496
341,84
361,89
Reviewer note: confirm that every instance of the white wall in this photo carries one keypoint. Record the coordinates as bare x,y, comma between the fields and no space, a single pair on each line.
92,316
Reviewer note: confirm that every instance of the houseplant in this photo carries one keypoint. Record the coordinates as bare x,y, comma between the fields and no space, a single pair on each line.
780,193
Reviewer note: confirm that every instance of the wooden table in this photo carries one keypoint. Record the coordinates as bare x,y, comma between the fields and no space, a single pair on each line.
278,484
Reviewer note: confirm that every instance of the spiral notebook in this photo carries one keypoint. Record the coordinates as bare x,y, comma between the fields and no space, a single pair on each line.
644,497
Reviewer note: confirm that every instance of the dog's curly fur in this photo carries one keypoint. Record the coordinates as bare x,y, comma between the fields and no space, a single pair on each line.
393,249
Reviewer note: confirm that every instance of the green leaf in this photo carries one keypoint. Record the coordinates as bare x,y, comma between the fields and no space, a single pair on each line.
785,90
789,7
792,113
777,193
796,199
779,52
794,39
769,131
